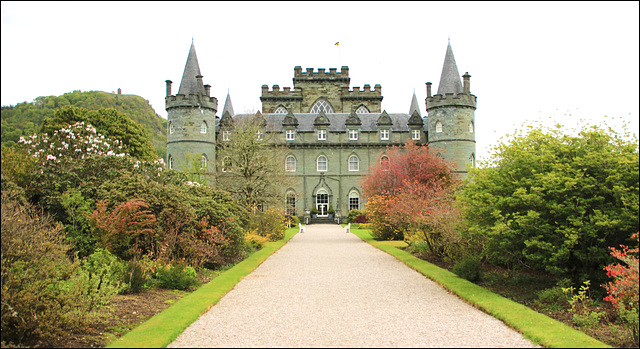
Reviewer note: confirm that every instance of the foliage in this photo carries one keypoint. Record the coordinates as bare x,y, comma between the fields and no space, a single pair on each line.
554,201
78,229
255,241
110,123
352,215
37,297
623,291
406,195
17,165
361,218
25,119
100,277
178,276
257,175
468,268
269,224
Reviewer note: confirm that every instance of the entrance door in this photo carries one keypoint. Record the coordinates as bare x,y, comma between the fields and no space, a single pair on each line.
322,203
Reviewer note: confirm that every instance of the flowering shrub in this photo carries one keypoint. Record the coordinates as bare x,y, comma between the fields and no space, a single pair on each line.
268,224
623,291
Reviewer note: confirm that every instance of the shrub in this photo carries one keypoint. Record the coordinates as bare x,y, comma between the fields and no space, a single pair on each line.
352,215
255,241
178,276
268,223
135,277
468,268
361,218
100,277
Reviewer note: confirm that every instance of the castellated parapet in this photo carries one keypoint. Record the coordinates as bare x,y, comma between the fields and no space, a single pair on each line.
321,74
450,99
181,100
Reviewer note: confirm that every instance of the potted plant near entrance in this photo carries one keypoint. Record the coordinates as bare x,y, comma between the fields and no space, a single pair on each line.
331,212
314,212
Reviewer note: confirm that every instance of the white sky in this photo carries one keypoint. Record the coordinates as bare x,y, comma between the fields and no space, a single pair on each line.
549,61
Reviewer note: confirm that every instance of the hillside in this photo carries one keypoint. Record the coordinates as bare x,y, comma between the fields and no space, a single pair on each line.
25,118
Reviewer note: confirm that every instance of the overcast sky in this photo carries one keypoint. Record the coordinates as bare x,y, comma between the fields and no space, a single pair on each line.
555,62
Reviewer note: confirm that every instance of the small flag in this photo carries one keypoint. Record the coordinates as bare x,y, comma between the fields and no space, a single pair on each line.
338,43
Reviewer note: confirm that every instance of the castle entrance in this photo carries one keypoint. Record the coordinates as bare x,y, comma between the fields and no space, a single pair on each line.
322,203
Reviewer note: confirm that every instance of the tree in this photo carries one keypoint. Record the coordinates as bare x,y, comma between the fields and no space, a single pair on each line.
250,165
554,201
406,194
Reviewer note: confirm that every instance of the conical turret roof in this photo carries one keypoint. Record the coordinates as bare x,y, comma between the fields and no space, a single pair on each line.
228,106
415,107
190,84
450,78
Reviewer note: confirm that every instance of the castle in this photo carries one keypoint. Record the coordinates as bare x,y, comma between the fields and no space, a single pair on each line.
334,133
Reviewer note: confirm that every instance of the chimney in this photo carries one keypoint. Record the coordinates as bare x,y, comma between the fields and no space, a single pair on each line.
428,89
168,88
207,90
465,83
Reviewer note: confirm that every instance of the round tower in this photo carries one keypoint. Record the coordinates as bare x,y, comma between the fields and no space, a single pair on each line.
451,117
191,116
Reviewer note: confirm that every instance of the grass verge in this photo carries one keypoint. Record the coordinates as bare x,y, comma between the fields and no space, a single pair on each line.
164,328
537,327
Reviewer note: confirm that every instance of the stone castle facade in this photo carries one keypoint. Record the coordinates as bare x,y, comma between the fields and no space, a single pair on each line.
334,133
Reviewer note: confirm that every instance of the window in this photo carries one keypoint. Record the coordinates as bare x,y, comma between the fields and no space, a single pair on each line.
415,135
291,135
472,158
438,126
321,105
170,162
471,127
259,135
384,162
322,163
353,135
384,135
291,203
203,162
226,164
171,127
226,135
280,110
362,110
354,201
322,135
354,163
290,164
203,127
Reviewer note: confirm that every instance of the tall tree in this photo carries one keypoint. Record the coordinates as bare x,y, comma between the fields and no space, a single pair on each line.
251,164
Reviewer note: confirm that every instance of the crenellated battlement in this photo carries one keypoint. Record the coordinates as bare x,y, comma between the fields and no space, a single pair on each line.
180,100
365,93
321,73
450,99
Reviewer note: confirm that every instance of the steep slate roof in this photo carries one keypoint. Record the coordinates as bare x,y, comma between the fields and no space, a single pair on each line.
414,105
450,78
189,84
227,105
337,121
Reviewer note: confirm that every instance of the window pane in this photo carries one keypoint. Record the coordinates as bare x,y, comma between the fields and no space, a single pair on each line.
321,105
290,164
353,163
322,163
362,109
322,135
353,135
291,135
280,110
203,128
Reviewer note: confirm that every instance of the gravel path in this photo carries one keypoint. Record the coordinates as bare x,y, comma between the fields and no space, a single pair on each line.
325,288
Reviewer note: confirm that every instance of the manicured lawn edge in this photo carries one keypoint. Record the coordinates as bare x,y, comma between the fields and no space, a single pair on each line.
162,329
537,327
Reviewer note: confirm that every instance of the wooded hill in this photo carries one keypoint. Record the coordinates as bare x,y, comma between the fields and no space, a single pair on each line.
24,119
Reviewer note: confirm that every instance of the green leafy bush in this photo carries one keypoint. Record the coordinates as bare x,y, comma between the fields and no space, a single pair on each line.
468,268
352,215
268,223
177,276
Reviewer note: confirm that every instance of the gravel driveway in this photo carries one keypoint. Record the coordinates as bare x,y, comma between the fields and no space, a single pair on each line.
325,288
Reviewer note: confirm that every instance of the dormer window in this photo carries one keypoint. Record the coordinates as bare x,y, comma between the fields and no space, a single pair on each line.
321,105
353,135
415,135
226,135
322,135
203,127
290,135
384,135
259,135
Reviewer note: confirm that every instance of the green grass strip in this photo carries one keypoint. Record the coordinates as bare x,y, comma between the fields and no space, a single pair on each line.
534,326
162,329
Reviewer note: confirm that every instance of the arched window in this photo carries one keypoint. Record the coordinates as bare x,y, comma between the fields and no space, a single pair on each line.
203,162
280,110
354,200
290,164
171,128
438,126
354,163
203,127
472,158
384,163
226,164
170,162
471,127
321,105
322,163
291,203
362,110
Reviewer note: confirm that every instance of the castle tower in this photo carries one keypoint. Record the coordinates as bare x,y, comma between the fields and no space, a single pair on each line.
191,135
451,116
